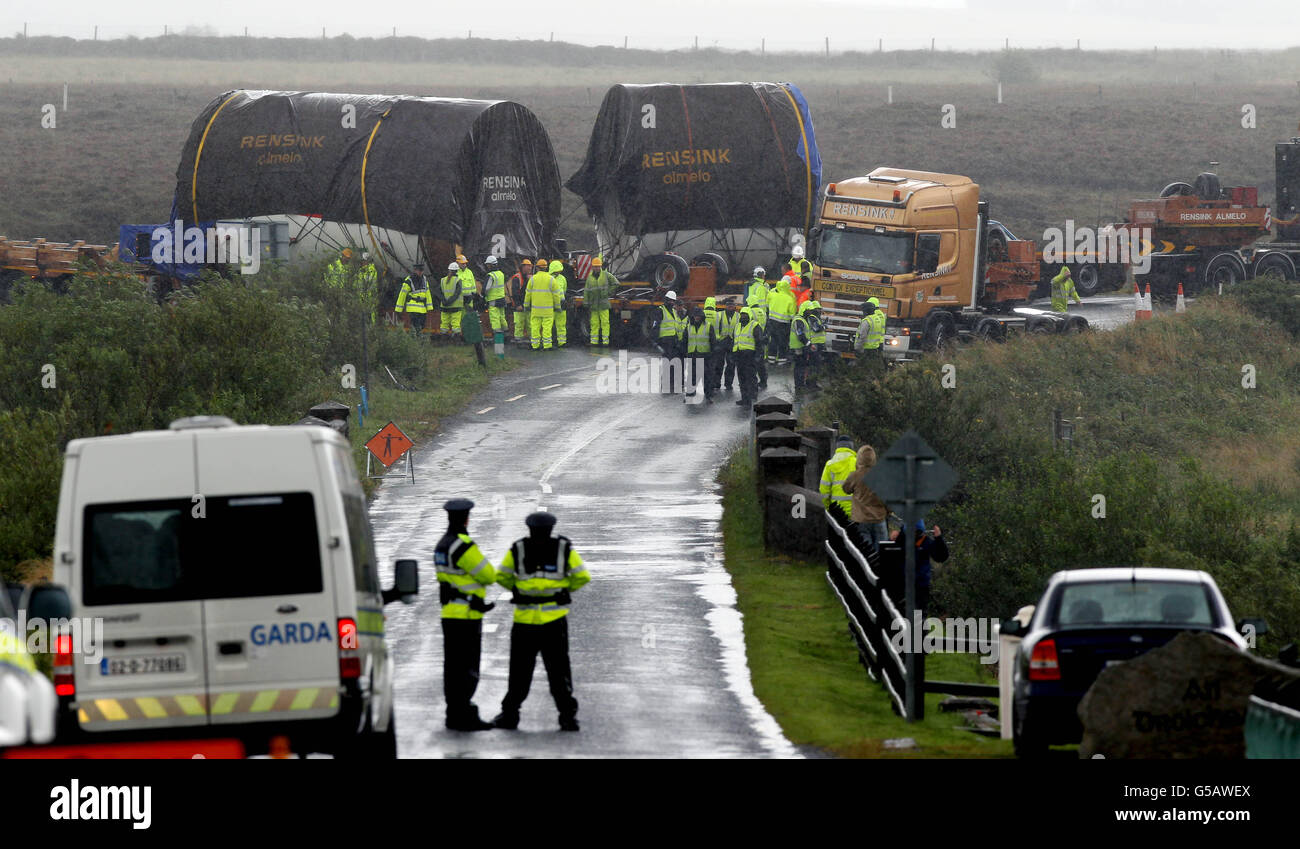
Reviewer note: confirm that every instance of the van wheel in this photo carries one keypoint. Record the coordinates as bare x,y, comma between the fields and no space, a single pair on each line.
1025,744
384,745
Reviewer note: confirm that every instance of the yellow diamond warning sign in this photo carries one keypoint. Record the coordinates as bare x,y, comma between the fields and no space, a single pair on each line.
389,444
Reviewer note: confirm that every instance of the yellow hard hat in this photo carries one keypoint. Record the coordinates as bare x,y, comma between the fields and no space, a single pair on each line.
597,262
347,253
555,267
541,263
527,262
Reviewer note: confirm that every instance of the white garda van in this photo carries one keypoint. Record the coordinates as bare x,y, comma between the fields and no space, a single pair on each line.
234,572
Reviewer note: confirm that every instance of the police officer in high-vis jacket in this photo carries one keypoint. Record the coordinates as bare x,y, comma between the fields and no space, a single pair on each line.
541,570
463,575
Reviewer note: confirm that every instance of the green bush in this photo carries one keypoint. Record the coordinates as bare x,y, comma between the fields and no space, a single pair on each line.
1186,457
30,468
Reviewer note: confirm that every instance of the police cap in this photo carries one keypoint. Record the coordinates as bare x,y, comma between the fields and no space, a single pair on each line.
540,520
458,505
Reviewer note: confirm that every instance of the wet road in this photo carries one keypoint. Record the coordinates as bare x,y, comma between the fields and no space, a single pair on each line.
656,642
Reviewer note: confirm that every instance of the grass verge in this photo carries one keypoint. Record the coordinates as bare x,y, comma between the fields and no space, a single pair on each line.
453,376
803,662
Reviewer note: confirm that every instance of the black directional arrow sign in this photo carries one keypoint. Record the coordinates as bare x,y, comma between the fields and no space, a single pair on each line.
909,477
910,471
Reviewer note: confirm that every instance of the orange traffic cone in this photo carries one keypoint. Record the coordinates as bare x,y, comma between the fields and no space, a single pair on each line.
1181,306
1144,311
1137,301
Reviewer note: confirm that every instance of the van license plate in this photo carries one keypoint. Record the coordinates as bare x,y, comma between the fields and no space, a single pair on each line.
151,665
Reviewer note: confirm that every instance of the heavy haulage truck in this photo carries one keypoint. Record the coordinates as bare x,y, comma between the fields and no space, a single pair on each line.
919,243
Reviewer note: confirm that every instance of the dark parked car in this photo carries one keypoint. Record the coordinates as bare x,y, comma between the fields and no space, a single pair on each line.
1088,619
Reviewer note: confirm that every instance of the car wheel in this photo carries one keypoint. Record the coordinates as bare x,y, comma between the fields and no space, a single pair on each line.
1026,744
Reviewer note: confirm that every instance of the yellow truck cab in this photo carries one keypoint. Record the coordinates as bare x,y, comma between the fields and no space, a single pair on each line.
916,241
234,572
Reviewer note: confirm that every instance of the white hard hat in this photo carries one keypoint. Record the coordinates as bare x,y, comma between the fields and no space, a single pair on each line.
798,252
759,271
453,267
672,296
491,260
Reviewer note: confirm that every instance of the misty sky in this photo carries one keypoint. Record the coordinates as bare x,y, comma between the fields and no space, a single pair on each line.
733,24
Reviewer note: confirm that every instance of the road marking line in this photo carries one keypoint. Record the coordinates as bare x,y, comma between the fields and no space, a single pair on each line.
635,411
516,398
552,386
485,410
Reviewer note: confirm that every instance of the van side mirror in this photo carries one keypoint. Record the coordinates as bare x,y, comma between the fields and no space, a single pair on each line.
406,583
1012,628
48,602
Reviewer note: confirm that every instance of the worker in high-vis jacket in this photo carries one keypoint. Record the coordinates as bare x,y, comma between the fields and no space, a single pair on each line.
453,300
600,287
1063,290
516,292
801,267
720,323
700,341
837,502
463,576
780,312
415,300
800,350
561,286
727,320
539,300
494,292
869,340
541,570
670,326
746,343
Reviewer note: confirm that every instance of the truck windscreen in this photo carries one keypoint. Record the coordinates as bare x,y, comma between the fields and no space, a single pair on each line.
158,551
857,250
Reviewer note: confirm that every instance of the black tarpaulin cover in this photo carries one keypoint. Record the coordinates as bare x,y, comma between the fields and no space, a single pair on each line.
720,156
478,173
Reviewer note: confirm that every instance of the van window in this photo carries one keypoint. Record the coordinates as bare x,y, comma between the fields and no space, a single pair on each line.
159,551
364,569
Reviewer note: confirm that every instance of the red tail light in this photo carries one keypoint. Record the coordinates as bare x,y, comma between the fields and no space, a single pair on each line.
349,660
64,685
1043,665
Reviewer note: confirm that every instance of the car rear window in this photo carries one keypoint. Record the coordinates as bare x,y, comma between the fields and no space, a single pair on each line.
235,546
1134,602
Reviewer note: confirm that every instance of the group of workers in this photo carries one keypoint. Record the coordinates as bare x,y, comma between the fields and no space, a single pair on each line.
849,502
777,321
541,571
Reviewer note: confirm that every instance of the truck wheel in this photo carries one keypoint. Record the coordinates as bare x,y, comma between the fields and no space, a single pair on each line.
1278,264
939,332
1177,189
1075,324
1040,325
581,326
715,261
1224,271
990,329
1088,281
669,271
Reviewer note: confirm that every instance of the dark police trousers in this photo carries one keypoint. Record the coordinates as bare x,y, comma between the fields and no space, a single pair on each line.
552,641
461,639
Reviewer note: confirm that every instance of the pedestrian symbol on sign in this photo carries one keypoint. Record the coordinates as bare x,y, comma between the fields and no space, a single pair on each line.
389,444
